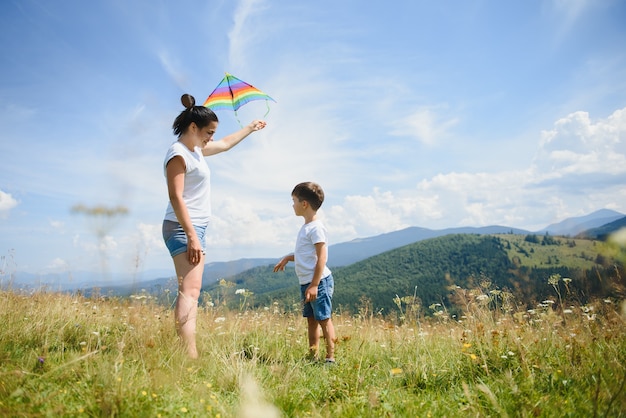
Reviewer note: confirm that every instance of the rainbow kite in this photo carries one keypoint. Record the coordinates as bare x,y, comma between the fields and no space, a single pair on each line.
232,93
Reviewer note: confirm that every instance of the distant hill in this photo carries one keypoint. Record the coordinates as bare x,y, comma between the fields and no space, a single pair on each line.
359,249
430,270
221,269
604,231
574,226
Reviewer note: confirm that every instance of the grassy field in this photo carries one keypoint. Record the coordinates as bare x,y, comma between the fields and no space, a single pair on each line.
64,355
574,253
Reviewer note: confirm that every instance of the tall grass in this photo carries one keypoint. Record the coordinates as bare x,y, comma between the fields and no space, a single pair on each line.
66,355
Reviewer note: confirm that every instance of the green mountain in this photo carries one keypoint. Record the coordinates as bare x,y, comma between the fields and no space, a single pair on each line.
431,271
602,232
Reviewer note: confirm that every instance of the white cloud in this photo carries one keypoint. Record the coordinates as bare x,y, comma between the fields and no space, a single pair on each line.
242,34
568,13
58,225
581,154
58,264
7,202
173,68
578,146
426,125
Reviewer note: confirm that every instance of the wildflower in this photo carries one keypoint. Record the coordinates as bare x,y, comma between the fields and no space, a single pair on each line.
240,291
183,409
473,356
554,279
396,371
144,393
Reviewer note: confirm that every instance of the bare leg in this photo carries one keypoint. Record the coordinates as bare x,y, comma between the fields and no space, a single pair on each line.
186,310
314,337
328,330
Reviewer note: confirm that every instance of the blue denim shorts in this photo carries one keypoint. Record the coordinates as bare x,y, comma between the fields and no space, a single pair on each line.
176,239
322,307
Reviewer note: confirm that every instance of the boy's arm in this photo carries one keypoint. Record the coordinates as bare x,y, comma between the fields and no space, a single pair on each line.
322,256
280,266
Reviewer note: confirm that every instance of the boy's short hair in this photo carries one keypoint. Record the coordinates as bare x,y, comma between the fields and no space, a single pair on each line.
309,192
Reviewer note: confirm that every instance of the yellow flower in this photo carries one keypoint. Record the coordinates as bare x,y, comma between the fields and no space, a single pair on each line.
395,371
473,356
183,409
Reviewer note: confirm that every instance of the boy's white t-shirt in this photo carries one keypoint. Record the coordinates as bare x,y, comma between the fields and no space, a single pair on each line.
197,189
305,256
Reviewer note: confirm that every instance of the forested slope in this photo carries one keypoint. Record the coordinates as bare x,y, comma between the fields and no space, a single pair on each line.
428,271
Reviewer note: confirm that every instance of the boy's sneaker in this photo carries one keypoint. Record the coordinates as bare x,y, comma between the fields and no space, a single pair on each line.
330,362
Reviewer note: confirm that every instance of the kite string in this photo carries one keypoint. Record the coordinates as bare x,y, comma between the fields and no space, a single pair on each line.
267,103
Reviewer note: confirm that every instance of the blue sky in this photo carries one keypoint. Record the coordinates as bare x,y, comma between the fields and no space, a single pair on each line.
408,113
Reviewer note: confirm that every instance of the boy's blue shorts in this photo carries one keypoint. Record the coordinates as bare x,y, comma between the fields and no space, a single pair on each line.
322,307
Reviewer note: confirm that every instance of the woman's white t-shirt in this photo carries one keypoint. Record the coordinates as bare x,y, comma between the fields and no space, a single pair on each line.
197,189
305,256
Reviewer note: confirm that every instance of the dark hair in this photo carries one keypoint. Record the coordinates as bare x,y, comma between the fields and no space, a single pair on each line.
199,115
309,192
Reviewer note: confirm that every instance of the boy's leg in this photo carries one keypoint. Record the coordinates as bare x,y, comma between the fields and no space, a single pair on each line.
328,330
323,309
314,337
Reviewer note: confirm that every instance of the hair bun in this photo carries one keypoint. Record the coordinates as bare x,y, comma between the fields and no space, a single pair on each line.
188,101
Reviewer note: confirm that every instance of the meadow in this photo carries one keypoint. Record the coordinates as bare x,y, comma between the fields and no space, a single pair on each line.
67,355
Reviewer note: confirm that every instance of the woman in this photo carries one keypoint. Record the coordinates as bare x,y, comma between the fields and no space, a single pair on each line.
189,209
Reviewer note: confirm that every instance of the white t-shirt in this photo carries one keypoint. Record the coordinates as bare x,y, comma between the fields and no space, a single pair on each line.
305,256
197,189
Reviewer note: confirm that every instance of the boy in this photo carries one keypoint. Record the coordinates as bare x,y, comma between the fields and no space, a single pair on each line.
316,280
